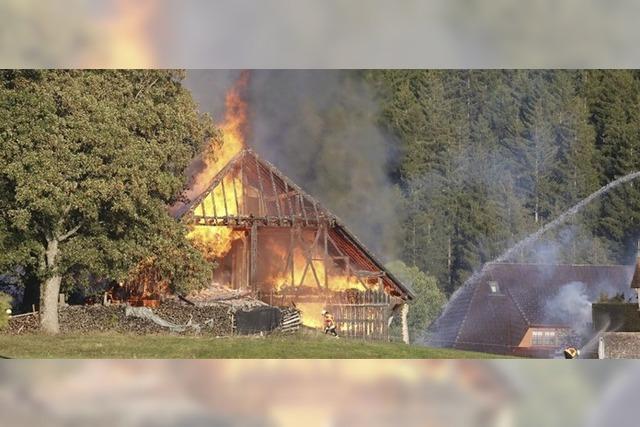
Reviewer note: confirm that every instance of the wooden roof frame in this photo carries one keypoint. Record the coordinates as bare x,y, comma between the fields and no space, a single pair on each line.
304,216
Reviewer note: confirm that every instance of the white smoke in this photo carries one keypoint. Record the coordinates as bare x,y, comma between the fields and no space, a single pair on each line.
570,306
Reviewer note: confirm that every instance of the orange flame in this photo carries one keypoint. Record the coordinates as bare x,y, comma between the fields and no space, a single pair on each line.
233,131
215,241
333,276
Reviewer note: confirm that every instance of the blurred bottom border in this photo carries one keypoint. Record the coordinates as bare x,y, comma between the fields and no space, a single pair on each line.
317,392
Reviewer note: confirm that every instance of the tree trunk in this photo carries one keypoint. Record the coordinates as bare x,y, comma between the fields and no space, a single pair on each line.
405,323
49,291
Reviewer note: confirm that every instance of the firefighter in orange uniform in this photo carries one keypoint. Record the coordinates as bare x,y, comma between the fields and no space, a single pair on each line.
329,323
571,353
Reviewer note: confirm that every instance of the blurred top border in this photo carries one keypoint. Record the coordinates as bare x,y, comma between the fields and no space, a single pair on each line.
319,34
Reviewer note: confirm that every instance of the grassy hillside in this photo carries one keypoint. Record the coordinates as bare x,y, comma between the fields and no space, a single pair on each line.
180,347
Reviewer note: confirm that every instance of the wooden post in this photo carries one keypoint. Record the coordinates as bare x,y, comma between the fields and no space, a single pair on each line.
275,195
235,196
291,255
405,325
224,198
213,202
303,209
243,181
261,204
253,259
204,212
291,210
325,256
234,267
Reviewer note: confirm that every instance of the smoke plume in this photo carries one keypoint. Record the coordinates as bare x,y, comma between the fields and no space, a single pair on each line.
320,129
570,306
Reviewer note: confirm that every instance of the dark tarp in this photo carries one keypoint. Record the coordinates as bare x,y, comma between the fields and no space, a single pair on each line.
259,319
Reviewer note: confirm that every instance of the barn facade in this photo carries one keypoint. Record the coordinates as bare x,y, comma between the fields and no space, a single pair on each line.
271,239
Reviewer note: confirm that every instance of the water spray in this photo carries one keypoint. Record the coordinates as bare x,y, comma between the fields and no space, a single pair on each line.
569,213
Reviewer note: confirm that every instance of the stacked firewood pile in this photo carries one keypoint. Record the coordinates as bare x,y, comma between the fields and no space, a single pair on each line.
212,319
99,318
22,324
215,320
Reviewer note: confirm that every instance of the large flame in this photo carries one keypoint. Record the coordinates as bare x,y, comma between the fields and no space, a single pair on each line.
233,130
334,276
215,241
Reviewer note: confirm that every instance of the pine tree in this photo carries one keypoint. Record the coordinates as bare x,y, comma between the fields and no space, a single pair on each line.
614,101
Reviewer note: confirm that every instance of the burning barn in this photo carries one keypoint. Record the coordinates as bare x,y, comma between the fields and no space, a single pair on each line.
270,238
527,309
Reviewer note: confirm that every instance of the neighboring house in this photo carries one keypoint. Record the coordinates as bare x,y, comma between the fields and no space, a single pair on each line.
515,308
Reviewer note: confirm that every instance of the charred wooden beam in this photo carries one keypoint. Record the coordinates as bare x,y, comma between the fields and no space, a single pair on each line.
254,256
291,240
275,195
304,210
261,204
286,187
235,196
325,255
224,199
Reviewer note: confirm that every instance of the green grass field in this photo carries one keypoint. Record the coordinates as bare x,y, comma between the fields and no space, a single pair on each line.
181,347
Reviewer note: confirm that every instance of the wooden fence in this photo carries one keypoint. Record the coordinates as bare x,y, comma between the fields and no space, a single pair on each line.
365,318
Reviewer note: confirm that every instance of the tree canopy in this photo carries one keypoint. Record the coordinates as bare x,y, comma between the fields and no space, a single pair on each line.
89,161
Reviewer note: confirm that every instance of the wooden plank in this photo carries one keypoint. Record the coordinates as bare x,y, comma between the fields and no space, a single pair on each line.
326,256
235,196
291,212
261,207
275,195
204,213
291,248
224,198
213,202
254,256
243,181
303,209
